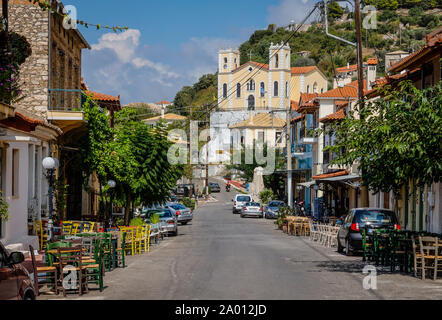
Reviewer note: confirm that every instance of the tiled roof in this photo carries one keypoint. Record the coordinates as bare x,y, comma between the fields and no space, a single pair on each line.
350,68
434,40
102,97
164,102
25,123
389,80
167,116
294,105
349,90
307,100
372,61
331,175
261,120
296,119
333,116
301,70
256,64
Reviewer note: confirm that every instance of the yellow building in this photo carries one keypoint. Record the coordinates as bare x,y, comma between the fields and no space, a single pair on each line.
258,86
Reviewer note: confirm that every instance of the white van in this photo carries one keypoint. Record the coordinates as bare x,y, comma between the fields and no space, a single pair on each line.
239,201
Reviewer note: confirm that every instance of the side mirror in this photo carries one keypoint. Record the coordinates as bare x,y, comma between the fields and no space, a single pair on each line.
16,257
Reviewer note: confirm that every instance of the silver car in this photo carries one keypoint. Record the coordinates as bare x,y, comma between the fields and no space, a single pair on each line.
183,214
252,209
166,216
272,208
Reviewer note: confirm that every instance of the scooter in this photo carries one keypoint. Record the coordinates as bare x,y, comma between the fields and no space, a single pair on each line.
227,188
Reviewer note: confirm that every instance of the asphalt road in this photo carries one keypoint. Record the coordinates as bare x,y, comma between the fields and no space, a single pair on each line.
222,256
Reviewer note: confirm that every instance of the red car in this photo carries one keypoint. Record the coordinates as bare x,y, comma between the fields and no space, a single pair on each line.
15,283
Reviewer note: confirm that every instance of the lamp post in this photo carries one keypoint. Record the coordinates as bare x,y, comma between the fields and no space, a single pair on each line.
111,184
50,164
316,201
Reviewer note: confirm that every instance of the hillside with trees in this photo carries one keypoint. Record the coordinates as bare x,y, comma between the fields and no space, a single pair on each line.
401,25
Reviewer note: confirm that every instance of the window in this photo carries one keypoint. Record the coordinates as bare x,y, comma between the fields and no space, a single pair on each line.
15,172
275,89
242,139
251,85
225,90
277,136
315,87
308,88
286,89
238,90
262,89
251,102
322,90
225,60
276,61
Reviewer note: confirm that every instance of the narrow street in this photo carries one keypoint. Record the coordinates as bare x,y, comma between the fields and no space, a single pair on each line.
222,256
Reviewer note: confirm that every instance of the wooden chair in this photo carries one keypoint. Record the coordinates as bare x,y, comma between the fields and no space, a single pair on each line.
50,273
427,256
145,237
119,250
94,273
66,228
40,228
130,239
70,260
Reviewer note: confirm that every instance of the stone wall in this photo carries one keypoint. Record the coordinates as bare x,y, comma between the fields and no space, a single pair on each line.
30,21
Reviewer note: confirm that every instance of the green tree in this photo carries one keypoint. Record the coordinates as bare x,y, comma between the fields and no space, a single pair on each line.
273,181
399,140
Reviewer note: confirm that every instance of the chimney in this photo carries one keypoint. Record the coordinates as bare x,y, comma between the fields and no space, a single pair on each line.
371,72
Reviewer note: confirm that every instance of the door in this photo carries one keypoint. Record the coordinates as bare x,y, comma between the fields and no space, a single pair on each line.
8,278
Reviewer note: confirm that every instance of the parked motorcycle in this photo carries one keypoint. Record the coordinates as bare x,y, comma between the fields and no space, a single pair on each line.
227,188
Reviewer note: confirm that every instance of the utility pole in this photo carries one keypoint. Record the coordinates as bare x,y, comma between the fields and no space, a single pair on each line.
207,151
289,159
364,190
190,150
359,52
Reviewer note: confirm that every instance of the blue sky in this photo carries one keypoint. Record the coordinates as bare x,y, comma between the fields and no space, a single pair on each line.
171,43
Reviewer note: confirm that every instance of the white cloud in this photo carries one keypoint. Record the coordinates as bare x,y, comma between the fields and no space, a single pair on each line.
288,10
122,44
121,64
125,46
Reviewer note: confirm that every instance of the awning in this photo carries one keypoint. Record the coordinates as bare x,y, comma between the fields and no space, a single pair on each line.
340,178
307,184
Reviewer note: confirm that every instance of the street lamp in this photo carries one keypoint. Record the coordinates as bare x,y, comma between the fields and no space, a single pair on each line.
111,184
50,164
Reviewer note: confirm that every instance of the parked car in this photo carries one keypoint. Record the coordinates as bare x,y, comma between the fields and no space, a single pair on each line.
350,233
239,201
252,209
183,214
15,282
166,216
214,187
271,209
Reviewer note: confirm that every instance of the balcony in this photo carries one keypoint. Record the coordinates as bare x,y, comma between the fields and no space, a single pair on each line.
299,150
307,136
64,109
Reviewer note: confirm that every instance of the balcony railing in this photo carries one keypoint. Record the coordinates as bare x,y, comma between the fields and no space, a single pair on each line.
65,99
307,135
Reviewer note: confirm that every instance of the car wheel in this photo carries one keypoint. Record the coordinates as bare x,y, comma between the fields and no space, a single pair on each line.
176,232
348,250
242,216
184,222
340,248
